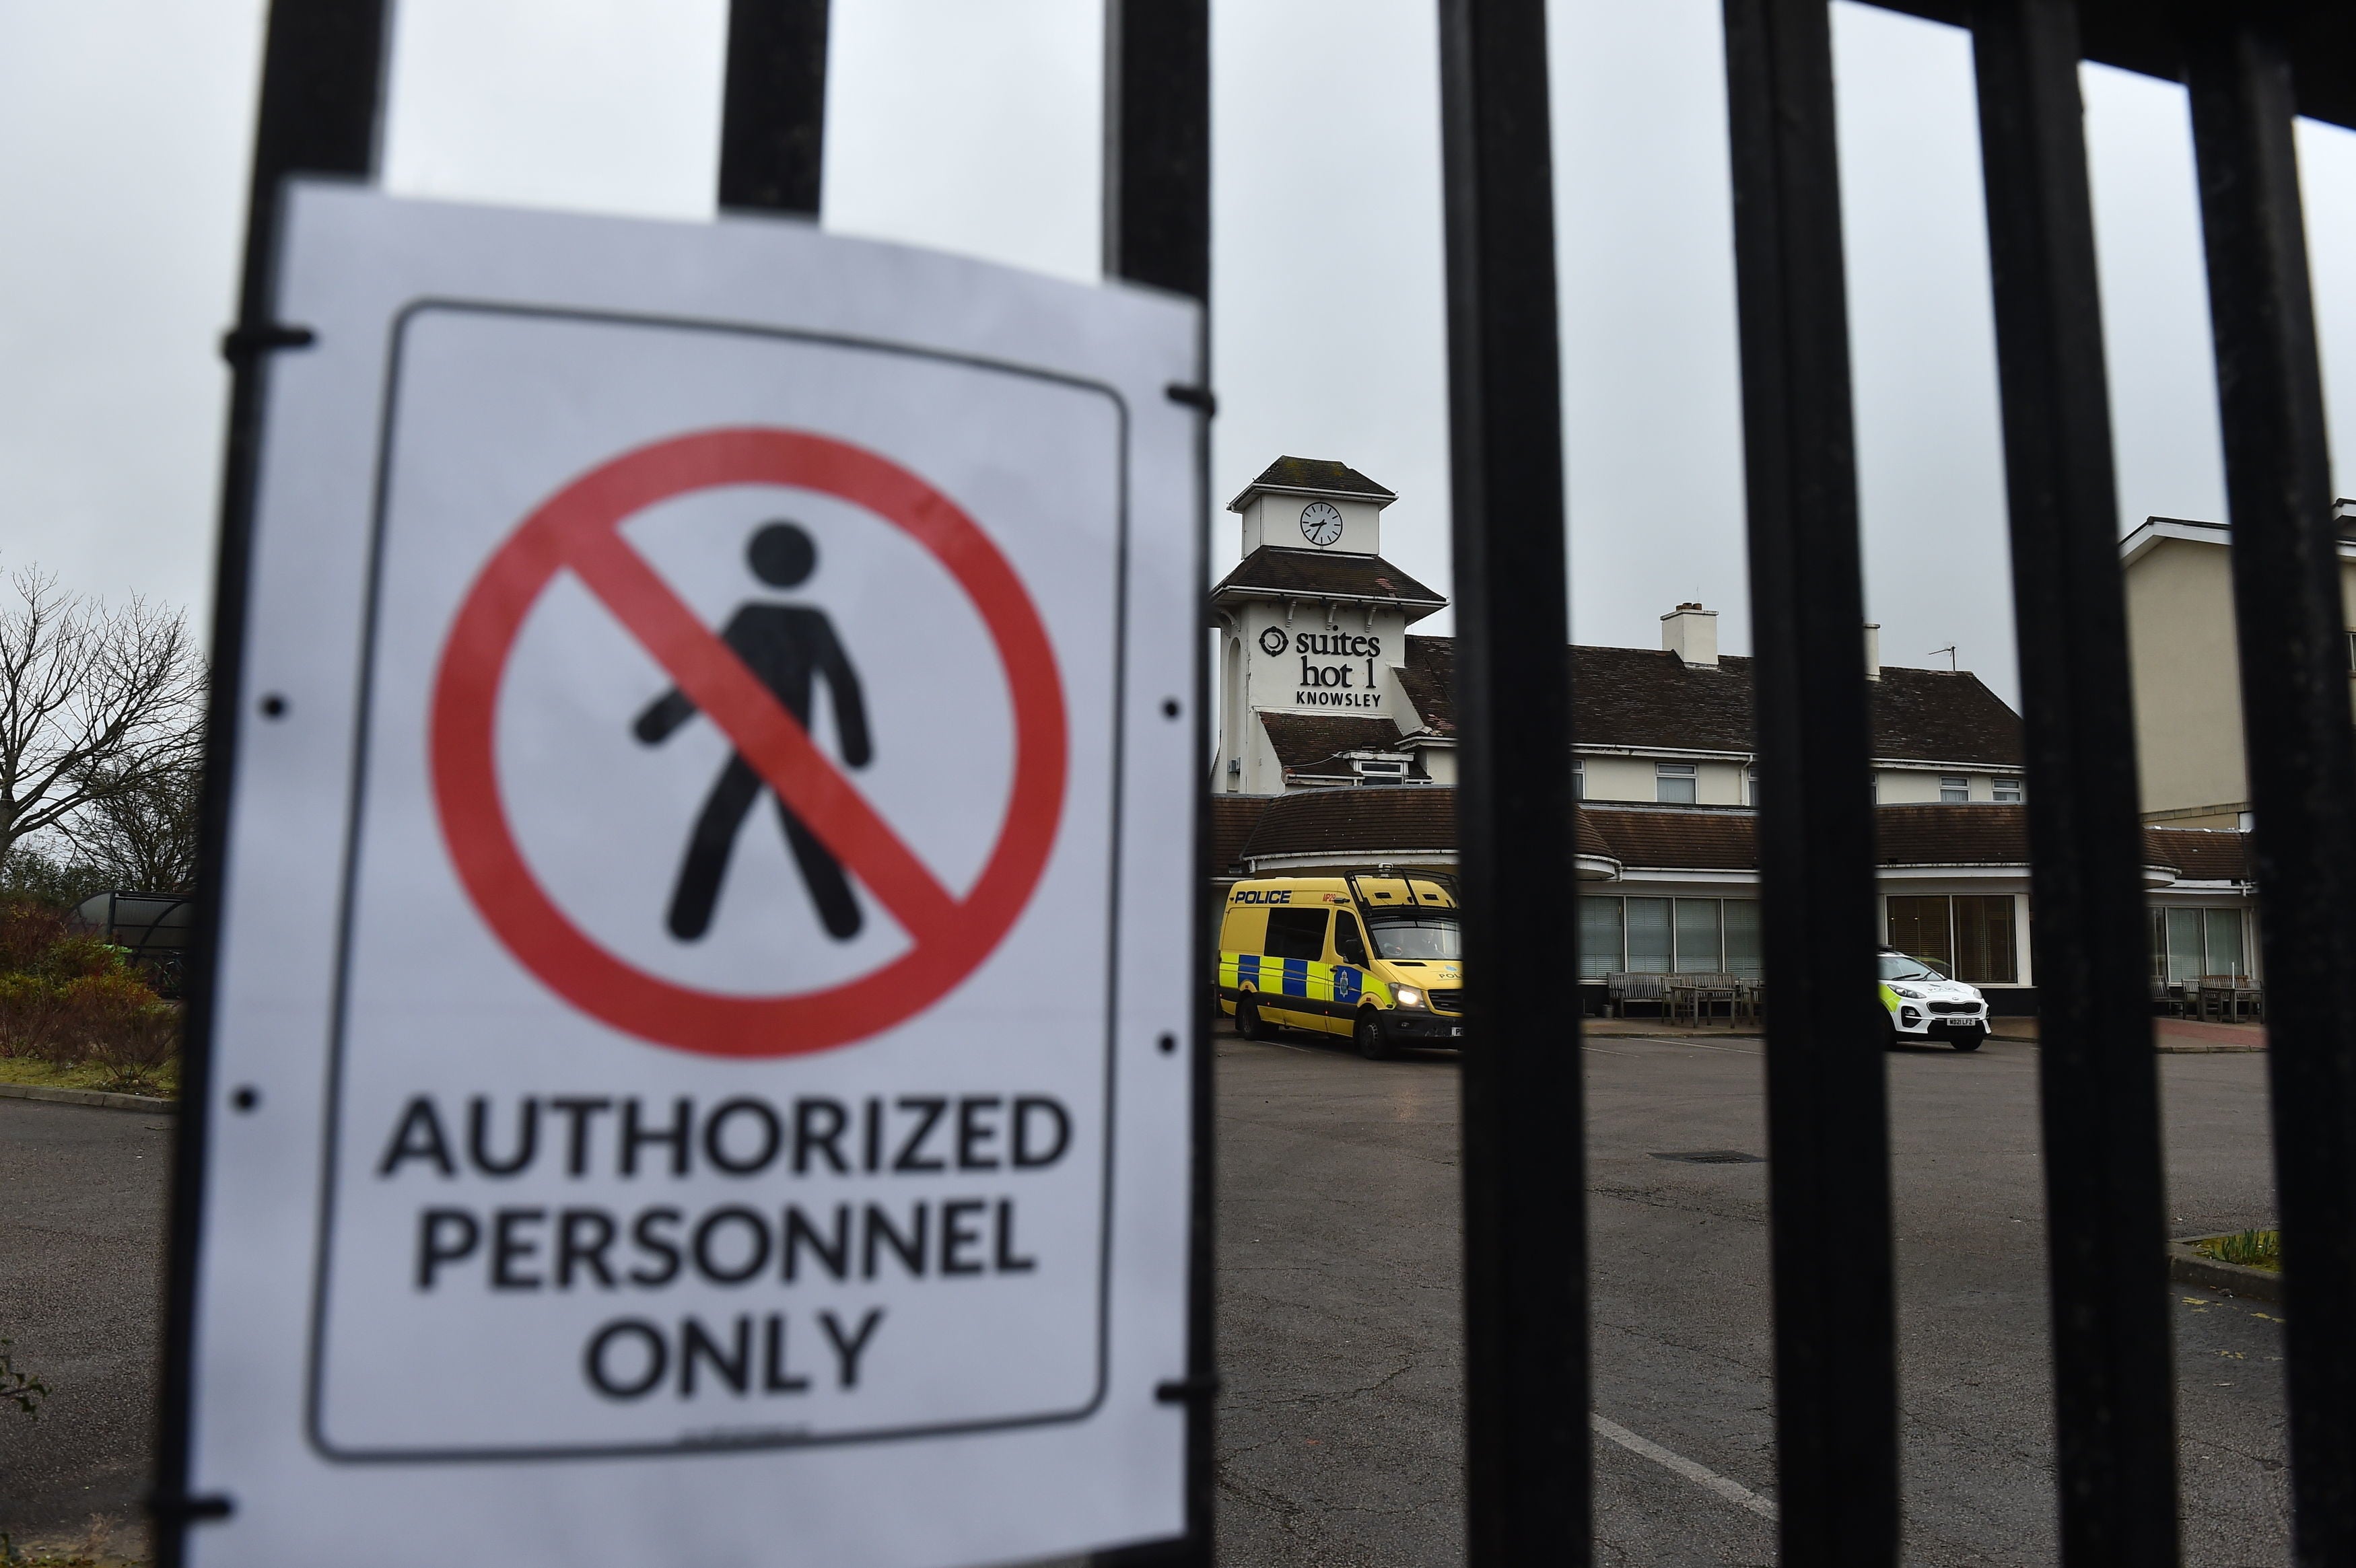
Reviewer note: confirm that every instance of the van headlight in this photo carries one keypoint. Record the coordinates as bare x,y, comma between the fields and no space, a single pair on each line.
1407,996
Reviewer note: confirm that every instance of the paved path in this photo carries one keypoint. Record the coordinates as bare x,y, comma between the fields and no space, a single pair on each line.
1339,1441
81,1227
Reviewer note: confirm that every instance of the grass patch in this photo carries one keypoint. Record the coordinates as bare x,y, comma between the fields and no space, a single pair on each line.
2251,1249
164,1081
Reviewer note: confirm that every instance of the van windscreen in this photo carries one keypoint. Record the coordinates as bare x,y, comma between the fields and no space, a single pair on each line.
1428,934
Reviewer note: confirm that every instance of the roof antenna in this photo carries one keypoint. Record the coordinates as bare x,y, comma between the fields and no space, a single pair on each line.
1950,651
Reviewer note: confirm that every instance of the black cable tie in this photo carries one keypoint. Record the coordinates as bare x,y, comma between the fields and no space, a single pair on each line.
241,344
1193,397
177,1508
1180,1390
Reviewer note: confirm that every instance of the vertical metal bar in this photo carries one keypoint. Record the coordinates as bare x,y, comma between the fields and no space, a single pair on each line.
1157,230
1157,196
2114,1418
1828,1176
2294,711
320,103
1529,1454
772,115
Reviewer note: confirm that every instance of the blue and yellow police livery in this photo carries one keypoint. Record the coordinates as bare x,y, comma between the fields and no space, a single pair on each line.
1378,958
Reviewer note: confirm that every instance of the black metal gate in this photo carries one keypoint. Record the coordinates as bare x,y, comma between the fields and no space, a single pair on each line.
2250,67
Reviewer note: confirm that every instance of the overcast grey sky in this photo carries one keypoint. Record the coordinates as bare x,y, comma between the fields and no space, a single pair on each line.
975,127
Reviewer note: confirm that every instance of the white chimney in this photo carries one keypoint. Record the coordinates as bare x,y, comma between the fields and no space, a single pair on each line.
1690,632
1873,650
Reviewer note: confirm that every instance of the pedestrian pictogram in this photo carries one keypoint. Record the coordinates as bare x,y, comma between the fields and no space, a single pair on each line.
753,680
785,646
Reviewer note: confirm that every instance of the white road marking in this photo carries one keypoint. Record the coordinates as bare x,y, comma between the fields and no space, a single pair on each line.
1707,1479
1662,1039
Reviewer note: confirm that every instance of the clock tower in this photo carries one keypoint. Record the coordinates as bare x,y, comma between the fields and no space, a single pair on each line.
1312,629
1304,504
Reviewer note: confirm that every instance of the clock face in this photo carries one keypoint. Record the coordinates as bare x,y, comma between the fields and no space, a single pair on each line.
1321,521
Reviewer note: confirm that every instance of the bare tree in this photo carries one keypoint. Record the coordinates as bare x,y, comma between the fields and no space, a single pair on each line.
98,706
143,837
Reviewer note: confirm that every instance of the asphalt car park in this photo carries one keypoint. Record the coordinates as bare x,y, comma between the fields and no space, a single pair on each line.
1338,1436
82,1253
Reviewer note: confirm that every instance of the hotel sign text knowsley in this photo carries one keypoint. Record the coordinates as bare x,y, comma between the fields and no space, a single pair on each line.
1337,671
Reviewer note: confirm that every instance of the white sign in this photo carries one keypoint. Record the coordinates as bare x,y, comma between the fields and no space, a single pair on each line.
707,907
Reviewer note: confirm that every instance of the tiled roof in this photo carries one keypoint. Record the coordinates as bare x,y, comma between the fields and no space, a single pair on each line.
1369,822
1635,697
1429,678
1951,835
1356,822
1982,835
2200,855
1317,574
1233,817
1700,838
1941,715
1679,837
1312,473
1303,741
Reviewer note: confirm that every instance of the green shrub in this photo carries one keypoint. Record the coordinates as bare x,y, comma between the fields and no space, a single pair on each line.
29,929
134,1046
73,957
32,1019
98,1001
113,1018
69,999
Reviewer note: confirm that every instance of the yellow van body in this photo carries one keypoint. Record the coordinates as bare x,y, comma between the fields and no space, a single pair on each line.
1373,957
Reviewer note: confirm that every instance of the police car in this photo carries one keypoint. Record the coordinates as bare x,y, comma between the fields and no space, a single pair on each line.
1926,1007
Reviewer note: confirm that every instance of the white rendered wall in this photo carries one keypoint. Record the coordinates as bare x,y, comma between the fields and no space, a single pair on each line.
1619,778
1276,520
1898,786
1719,783
1271,681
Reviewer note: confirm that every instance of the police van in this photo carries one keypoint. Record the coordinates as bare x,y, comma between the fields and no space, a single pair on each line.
1925,1005
1376,958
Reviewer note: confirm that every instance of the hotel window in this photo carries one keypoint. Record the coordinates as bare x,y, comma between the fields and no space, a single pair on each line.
2187,943
1955,789
1750,786
1701,942
1602,938
1578,781
1651,948
1969,936
1672,783
1743,938
1662,936
2007,791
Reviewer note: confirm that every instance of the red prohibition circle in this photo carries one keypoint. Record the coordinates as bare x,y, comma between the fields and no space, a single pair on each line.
578,529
